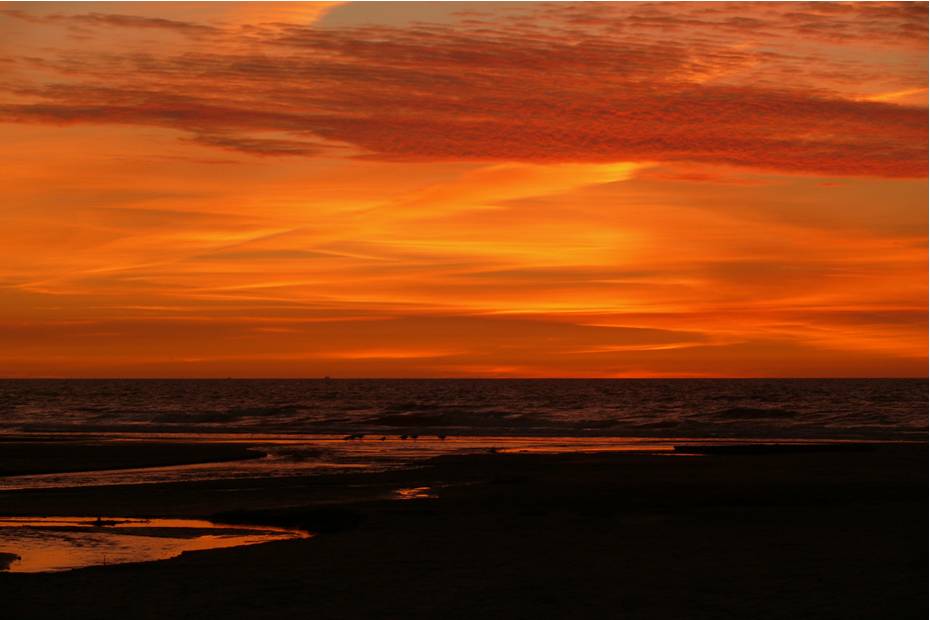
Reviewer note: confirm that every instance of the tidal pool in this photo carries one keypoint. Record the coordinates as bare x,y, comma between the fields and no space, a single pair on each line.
46,544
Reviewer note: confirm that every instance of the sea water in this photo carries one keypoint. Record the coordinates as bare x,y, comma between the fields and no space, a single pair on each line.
751,408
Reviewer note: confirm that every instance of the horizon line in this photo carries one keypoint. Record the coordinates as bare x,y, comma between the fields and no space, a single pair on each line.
555,378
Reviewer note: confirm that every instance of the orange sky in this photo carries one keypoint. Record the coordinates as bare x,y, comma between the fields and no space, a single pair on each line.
463,189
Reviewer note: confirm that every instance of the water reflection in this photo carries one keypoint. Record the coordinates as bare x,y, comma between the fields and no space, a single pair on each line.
300,455
297,455
415,493
40,544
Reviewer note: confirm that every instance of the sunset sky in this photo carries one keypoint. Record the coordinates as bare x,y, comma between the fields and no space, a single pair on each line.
463,189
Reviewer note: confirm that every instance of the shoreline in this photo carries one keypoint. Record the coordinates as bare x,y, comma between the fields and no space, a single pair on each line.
698,432
91,461
25,457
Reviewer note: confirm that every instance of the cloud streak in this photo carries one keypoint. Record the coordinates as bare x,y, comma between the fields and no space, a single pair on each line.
112,20
568,84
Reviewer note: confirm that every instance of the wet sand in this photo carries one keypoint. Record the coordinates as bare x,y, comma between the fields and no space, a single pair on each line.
27,457
814,534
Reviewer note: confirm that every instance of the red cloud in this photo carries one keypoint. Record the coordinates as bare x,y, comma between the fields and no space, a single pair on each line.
576,84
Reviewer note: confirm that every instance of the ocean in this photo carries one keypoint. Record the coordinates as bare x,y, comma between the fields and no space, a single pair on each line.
885,409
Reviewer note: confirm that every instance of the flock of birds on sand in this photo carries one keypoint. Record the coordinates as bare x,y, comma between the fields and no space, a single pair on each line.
358,436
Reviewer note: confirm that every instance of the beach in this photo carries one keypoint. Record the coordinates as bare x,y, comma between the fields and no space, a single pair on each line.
50,455
765,534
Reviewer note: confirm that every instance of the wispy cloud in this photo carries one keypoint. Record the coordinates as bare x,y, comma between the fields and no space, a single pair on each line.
567,83
535,189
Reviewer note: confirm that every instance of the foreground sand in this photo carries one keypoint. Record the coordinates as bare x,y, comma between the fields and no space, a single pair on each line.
810,535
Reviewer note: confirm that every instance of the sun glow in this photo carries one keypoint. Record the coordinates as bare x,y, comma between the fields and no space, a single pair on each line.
286,189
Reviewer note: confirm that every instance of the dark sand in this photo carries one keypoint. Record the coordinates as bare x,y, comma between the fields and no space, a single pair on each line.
768,535
18,458
6,559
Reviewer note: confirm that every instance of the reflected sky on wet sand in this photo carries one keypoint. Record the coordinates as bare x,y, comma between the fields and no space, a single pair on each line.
47,544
